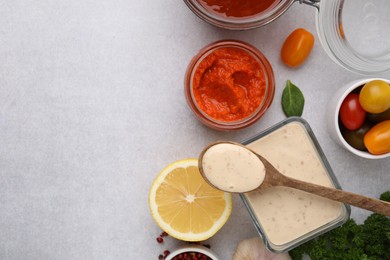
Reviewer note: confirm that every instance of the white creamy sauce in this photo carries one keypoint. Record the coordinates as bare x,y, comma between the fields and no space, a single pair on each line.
232,168
286,214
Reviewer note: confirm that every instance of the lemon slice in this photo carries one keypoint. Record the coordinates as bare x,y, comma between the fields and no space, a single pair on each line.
185,206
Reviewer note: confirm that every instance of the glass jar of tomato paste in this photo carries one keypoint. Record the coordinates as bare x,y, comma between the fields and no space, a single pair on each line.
239,14
354,33
229,85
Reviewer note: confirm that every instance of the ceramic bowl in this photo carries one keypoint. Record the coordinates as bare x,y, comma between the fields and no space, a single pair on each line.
333,117
192,249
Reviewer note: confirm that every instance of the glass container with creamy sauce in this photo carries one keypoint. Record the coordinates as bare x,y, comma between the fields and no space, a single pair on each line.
354,33
285,217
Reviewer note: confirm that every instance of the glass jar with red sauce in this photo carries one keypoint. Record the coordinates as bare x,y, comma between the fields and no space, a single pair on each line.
238,14
229,85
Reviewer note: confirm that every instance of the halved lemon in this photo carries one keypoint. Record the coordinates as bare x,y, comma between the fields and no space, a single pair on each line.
185,206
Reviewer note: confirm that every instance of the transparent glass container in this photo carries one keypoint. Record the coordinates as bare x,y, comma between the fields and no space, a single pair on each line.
354,33
285,218
260,110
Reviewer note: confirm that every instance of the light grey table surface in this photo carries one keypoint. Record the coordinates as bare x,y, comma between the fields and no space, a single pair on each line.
92,108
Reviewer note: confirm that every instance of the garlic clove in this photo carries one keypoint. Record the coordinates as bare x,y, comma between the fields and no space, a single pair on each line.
254,249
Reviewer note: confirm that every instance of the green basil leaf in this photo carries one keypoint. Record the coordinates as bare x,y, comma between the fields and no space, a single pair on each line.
293,100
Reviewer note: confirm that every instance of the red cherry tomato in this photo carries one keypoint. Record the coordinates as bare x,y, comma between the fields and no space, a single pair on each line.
297,47
352,114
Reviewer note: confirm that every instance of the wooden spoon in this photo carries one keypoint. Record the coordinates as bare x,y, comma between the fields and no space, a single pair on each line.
274,178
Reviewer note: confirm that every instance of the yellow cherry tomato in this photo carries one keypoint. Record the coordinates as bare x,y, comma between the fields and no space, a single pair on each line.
375,96
377,139
297,47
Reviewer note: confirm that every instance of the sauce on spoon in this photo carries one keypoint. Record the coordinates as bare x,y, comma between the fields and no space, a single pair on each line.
242,171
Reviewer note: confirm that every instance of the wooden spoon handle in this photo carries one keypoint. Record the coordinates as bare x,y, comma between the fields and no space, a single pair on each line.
378,206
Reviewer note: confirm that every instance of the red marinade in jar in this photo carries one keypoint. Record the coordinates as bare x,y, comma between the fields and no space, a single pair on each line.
238,8
229,84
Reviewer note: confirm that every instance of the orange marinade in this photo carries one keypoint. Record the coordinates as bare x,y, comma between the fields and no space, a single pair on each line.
238,8
229,84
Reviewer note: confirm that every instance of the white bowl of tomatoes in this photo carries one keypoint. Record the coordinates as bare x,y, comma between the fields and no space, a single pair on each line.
359,118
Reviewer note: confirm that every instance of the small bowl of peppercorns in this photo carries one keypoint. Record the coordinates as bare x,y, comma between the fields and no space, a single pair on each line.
192,252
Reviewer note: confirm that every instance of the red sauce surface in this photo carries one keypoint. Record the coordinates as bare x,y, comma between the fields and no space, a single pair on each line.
229,84
238,8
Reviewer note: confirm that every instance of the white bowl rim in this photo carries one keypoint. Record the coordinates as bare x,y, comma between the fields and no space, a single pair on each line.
353,85
192,248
